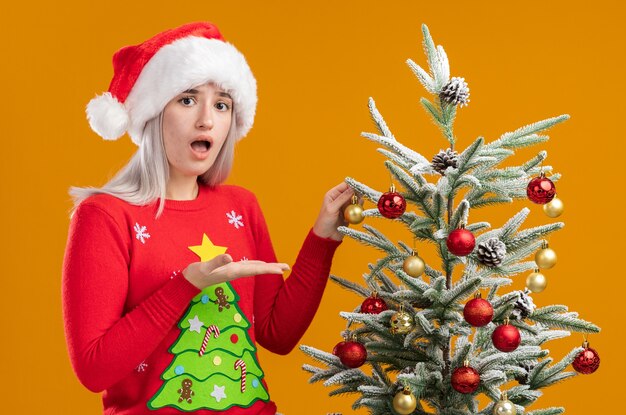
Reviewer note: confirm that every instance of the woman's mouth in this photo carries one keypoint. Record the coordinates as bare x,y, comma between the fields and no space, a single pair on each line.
201,148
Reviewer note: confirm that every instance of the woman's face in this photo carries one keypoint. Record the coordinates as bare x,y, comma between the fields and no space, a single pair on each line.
195,126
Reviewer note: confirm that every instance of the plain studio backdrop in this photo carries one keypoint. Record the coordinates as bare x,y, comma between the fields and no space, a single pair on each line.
316,64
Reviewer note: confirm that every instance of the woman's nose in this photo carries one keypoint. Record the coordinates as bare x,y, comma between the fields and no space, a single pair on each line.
205,117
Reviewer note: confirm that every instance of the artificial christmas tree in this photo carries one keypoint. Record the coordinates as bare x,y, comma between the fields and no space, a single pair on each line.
419,350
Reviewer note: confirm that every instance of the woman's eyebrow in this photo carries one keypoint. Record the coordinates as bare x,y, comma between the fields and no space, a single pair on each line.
220,93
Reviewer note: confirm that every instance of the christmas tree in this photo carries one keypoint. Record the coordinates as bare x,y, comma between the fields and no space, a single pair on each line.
430,347
214,365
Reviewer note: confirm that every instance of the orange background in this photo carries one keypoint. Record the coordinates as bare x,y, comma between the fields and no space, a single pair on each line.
316,65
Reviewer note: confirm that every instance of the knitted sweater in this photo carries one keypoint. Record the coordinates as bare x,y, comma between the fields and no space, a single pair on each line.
153,342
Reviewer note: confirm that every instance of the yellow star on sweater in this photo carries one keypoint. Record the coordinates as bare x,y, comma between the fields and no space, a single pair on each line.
207,250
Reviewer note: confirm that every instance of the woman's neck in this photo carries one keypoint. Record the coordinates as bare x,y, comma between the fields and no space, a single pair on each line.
178,189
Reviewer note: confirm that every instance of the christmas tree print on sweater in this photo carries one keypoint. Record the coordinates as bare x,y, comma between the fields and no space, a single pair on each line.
214,365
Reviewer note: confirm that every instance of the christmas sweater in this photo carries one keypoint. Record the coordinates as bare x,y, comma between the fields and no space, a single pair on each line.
137,330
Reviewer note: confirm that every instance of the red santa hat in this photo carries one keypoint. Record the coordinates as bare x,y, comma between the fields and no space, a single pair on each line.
147,76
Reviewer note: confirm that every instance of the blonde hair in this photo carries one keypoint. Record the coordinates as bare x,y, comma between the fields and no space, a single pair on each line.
144,178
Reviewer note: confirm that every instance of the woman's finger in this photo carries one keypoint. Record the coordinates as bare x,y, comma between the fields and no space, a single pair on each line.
217,262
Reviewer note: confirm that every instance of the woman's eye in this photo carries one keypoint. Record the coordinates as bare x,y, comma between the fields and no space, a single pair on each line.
186,101
222,106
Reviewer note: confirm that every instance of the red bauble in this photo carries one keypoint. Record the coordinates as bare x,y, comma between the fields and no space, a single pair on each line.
461,242
478,312
541,190
373,305
465,379
506,338
587,361
391,205
352,354
337,348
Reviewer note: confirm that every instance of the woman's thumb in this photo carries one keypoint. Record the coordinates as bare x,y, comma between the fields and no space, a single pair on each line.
217,262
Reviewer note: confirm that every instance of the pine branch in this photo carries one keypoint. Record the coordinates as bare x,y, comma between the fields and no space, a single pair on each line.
378,119
547,376
349,285
567,321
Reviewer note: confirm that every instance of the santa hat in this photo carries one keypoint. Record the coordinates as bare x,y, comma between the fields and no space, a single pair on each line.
147,76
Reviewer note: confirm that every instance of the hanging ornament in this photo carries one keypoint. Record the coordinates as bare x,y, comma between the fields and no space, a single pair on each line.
413,265
461,242
504,406
545,257
491,252
554,208
338,347
391,204
536,282
443,160
465,379
404,402
506,338
352,354
401,322
373,305
478,312
353,213
587,361
541,190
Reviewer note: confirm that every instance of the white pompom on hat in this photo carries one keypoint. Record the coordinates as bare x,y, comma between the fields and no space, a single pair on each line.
147,76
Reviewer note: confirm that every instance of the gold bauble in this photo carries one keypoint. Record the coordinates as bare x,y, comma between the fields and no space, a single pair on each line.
554,208
545,258
401,322
354,214
404,402
504,407
414,266
536,282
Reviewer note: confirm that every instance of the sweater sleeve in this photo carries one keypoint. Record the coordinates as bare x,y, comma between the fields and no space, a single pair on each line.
95,285
284,309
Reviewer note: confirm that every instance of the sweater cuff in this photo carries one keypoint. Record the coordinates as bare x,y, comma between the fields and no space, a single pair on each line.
317,247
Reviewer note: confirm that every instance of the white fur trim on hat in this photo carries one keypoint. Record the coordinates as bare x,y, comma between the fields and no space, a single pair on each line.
107,116
187,63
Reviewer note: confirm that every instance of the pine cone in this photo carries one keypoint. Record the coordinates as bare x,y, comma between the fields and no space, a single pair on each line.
445,159
455,92
491,252
524,306
527,366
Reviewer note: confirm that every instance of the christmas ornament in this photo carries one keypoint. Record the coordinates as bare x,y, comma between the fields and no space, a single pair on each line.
465,379
413,265
524,306
506,338
404,402
455,92
504,407
536,281
212,329
240,364
373,305
491,252
545,257
337,348
401,322
587,361
352,354
554,208
445,159
461,242
354,213
478,312
391,204
541,190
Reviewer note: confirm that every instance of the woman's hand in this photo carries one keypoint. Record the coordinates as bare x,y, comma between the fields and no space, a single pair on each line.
331,214
222,269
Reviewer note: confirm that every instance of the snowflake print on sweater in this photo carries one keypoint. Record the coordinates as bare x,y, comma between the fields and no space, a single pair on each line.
234,219
141,233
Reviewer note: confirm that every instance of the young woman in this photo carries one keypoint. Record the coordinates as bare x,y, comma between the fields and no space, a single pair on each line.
157,312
